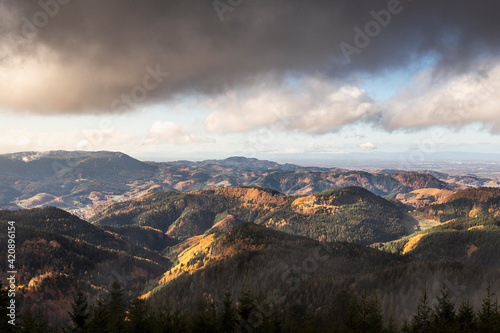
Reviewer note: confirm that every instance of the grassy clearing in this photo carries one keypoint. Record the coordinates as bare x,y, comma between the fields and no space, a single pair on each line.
411,219
426,223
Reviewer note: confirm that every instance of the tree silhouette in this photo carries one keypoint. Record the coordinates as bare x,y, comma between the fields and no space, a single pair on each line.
228,316
137,316
116,309
245,306
99,317
466,317
205,317
443,318
4,303
80,312
422,319
364,316
489,316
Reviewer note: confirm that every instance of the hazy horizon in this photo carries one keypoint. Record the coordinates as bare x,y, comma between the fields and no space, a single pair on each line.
453,163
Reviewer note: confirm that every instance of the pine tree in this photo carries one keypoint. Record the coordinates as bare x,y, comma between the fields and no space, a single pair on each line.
270,320
364,316
421,321
444,316
32,323
277,325
115,298
391,327
137,322
374,316
116,309
271,323
205,318
352,319
337,310
99,318
80,312
406,327
42,322
488,317
245,307
160,320
227,320
466,317
166,320
179,324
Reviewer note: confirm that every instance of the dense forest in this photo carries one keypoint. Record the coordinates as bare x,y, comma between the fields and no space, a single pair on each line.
474,202
247,313
55,251
349,214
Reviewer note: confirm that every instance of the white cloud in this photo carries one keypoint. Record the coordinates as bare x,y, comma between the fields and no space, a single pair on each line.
460,101
317,106
367,146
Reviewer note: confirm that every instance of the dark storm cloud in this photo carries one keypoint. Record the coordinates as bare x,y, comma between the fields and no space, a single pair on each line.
91,52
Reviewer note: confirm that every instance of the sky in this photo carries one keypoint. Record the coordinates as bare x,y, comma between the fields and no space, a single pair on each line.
272,79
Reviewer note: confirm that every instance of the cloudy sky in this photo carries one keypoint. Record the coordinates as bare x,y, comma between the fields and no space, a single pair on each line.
267,78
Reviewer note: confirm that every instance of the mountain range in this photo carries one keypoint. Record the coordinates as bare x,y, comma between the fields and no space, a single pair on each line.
85,182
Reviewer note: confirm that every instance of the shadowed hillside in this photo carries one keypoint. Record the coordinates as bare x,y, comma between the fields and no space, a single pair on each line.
293,274
57,252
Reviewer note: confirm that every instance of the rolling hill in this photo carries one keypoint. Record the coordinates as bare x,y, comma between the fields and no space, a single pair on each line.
254,257
304,278
424,196
475,202
56,252
349,214
468,240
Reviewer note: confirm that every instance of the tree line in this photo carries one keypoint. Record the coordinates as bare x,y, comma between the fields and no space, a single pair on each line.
361,313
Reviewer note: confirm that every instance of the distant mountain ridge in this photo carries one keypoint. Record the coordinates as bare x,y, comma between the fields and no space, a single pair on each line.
84,182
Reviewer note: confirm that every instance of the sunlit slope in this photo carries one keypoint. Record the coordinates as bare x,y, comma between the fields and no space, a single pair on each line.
476,202
468,240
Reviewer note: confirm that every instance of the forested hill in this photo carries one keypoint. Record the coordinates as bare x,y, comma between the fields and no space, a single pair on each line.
56,252
349,214
475,202
259,259
296,277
